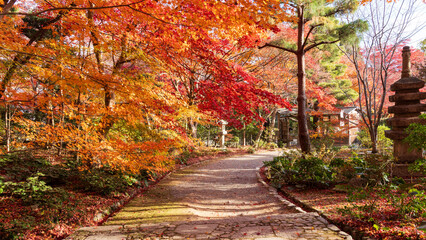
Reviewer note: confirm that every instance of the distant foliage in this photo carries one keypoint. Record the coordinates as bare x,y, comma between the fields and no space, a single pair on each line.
382,141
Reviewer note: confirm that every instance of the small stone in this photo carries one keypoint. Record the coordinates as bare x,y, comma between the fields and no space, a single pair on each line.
422,226
333,228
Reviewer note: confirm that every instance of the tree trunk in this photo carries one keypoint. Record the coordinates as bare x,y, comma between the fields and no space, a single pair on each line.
272,126
7,123
304,141
244,135
192,128
107,120
259,135
373,137
208,137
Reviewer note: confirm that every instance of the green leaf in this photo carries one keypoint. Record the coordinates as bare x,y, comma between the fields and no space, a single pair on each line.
375,226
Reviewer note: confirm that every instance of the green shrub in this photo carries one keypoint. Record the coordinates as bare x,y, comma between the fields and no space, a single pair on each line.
183,157
233,142
271,145
2,185
295,168
323,168
33,190
326,138
326,141
225,150
410,204
260,143
18,166
251,150
417,134
18,226
373,168
56,208
418,166
104,182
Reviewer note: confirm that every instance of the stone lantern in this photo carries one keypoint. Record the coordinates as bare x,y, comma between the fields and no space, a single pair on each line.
406,111
223,132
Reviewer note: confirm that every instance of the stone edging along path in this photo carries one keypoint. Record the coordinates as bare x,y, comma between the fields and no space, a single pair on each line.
219,199
273,191
357,235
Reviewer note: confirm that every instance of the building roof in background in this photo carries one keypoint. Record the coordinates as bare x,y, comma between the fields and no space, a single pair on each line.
343,110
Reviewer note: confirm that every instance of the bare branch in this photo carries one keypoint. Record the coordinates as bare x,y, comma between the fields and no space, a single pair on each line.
73,8
388,24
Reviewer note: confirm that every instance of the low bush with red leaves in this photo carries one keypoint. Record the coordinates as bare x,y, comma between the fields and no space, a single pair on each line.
360,193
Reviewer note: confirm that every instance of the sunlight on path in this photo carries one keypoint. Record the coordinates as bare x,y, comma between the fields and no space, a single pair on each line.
219,199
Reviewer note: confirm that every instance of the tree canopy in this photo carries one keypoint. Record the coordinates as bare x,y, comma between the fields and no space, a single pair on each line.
118,82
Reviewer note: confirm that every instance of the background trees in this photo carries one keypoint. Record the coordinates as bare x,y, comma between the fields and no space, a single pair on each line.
118,83
377,57
142,73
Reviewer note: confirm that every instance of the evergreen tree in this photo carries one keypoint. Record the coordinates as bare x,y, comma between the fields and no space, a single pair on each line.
342,90
323,28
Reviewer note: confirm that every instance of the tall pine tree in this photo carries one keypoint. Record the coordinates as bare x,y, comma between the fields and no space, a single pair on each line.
316,25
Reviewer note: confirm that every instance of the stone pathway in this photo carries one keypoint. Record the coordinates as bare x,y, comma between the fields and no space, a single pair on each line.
219,199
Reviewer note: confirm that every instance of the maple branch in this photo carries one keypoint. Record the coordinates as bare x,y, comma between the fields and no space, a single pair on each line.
158,19
94,33
25,53
279,47
320,43
126,61
129,5
7,6
43,30
72,8
261,66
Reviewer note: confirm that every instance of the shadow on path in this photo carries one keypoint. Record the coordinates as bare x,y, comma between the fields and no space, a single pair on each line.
216,199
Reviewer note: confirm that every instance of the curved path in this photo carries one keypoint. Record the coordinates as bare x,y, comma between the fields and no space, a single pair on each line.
218,199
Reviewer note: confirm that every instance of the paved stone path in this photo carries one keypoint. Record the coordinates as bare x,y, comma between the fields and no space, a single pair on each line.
219,199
